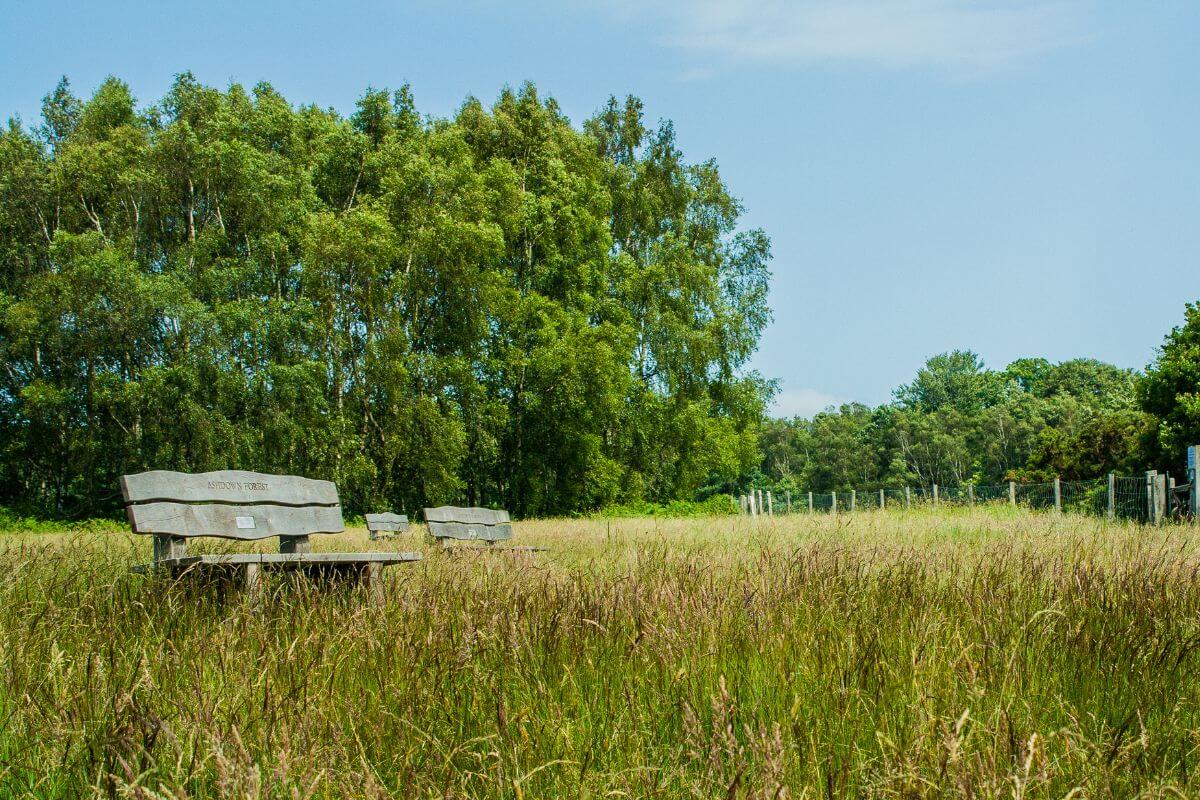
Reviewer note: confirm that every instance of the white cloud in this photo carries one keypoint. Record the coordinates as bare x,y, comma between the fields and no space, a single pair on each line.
965,37
802,402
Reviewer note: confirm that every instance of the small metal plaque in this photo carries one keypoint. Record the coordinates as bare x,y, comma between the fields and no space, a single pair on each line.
245,522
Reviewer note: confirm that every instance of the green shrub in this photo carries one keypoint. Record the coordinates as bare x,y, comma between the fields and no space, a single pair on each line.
716,506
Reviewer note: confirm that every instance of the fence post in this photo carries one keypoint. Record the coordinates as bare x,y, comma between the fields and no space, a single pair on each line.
1170,495
1150,497
789,501
1012,493
760,502
1193,455
853,500
753,505
741,504
1160,498
907,498
971,493
882,500
810,503
935,495
1057,495
770,506
833,502
1112,496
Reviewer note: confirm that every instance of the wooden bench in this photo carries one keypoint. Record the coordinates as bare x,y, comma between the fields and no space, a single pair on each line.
233,504
385,526
446,525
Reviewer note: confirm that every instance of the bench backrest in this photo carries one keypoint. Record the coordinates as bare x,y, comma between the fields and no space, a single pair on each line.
386,524
230,504
483,524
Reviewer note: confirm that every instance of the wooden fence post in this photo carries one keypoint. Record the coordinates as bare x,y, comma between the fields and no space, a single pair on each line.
789,501
833,502
753,505
935,495
907,498
882,500
1112,496
770,506
971,494
1150,475
1012,493
853,500
1193,456
810,503
1057,495
1160,498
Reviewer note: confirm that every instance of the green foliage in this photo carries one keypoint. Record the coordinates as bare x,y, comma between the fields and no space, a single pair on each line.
718,505
959,422
1170,390
956,380
497,308
14,522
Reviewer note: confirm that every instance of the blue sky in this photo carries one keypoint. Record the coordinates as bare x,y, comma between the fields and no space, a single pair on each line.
1018,178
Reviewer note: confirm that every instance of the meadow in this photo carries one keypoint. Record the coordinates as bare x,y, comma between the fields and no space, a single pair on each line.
963,652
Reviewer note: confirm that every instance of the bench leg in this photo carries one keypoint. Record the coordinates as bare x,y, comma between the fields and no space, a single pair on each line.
372,576
253,583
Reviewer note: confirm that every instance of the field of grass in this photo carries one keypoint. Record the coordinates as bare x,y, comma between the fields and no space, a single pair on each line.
963,653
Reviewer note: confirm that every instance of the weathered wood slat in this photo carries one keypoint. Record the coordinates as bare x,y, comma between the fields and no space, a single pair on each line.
234,521
227,486
294,558
284,560
471,516
455,549
470,531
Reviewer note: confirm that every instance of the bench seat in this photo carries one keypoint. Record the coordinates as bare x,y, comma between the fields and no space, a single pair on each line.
282,560
492,548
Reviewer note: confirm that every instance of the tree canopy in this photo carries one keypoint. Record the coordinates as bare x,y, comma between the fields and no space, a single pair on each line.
494,308
959,422
1171,388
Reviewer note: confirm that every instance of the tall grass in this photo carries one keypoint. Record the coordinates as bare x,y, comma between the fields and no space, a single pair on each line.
970,653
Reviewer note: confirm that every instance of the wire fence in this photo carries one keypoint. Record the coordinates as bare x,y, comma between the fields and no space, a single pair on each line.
1149,498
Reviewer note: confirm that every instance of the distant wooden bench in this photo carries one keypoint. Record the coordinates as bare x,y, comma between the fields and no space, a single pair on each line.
233,504
384,526
449,524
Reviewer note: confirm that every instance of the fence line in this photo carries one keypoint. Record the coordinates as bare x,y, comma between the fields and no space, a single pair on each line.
1148,499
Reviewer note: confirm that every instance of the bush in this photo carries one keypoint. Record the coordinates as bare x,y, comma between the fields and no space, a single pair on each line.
716,506
14,522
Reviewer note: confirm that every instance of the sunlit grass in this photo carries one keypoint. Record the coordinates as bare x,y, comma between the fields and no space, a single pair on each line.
968,652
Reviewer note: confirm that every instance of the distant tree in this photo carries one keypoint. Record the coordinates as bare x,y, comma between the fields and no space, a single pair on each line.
844,448
1093,382
957,379
957,422
1170,390
1109,443
1028,373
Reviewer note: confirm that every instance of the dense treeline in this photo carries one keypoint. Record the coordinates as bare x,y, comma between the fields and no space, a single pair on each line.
958,422
494,308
